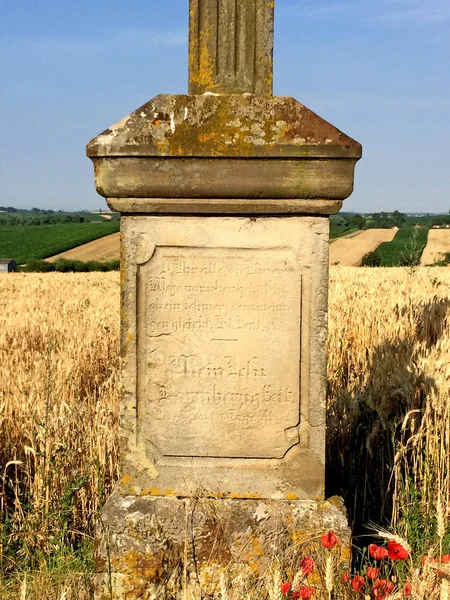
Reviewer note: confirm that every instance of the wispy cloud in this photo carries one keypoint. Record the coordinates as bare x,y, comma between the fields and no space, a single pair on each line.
124,40
421,12
386,12
317,10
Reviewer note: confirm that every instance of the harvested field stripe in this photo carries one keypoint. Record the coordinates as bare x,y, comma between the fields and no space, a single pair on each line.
437,246
349,251
102,250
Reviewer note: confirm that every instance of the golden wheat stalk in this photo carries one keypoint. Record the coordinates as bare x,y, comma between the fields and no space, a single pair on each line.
444,590
329,574
387,535
276,583
224,584
440,518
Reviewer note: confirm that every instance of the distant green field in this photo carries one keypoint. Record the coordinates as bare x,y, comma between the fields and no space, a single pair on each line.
41,241
405,249
338,231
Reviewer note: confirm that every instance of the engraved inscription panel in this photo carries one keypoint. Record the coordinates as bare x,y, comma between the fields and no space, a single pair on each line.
219,351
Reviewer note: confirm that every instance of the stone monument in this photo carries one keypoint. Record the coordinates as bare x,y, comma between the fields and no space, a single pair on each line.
225,196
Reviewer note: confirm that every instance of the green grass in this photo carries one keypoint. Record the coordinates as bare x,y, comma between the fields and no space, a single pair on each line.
338,231
405,249
66,574
41,241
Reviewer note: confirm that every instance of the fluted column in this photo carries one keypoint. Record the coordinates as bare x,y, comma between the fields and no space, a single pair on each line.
231,46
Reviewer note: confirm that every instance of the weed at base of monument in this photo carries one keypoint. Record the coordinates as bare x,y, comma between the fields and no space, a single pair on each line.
68,577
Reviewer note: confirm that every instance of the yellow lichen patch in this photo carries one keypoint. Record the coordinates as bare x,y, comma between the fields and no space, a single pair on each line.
345,553
126,479
209,577
169,493
314,578
150,492
136,564
207,137
291,497
244,496
254,566
288,519
252,553
204,75
299,537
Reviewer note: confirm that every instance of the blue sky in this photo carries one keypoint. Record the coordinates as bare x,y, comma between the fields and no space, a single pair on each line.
377,69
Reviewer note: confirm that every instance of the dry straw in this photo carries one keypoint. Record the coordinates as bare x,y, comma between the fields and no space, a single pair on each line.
388,383
59,353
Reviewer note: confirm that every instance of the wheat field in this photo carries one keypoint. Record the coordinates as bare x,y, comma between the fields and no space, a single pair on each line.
389,379
59,355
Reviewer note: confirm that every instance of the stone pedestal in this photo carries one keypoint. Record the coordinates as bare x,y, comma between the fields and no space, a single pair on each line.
153,547
225,197
224,346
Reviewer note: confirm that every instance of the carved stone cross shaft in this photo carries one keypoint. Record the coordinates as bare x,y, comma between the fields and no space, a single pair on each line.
231,46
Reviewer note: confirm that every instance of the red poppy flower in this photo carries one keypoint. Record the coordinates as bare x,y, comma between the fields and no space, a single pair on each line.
307,565
304,592
407,589
329,540
445,559
377,552
396,551
358,583
372,572
285,588
346,577
382,588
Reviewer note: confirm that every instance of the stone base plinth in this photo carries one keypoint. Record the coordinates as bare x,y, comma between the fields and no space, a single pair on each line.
176,548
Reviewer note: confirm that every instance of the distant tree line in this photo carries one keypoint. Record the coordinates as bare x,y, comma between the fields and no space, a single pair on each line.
382,220
42,211
44,219
38,216
64,265
386,220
